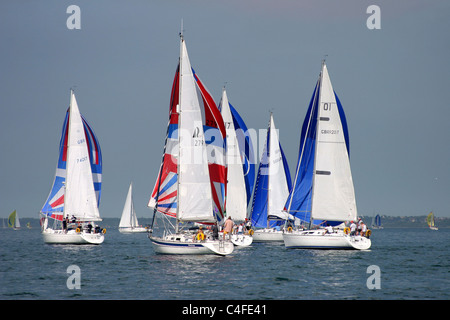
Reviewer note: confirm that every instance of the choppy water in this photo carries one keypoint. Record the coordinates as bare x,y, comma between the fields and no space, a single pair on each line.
413,264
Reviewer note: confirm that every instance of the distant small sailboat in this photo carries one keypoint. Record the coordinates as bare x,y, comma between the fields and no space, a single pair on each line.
128,222
273,183
75,192
28,225
376,222
13,220
430,221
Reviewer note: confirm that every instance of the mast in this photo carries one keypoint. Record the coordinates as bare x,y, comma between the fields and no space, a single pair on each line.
311,219
180,82
268,169
68,152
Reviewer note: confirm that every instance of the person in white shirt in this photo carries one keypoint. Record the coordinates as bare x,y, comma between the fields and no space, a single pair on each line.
363,228
328,229
352,228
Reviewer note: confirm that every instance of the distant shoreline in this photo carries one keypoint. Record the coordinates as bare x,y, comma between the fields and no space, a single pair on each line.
386,221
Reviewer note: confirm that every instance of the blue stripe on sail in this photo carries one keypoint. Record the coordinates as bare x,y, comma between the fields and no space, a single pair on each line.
173,131
344,123
168,184
245,143
95,156
259,206
167,205
287,173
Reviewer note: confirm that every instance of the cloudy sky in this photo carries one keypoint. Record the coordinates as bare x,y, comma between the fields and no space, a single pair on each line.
392,82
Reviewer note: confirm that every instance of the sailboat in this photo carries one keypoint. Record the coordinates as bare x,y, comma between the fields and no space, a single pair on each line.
75,193
323,191
13,220
430,222
273,184
237,198
376,222
190,185
128,222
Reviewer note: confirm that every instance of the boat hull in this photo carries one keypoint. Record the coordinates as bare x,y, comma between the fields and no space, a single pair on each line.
133,230
179,245
267,234
316,239
71,237
241,240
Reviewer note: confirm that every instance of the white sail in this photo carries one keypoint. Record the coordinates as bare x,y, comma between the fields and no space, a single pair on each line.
277,185
333,195
194,187
128,218
80,197
236,202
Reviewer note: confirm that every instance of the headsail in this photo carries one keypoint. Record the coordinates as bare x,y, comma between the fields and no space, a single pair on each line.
248,155
236,199
273,183
54,205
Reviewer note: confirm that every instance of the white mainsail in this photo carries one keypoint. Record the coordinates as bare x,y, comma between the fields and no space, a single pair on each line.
80,197
194,186
333,193
236,202
128,218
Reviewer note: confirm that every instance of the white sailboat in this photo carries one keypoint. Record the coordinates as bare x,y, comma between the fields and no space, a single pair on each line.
188,185
129,222
323,187
13,221
236,199
73,200
272,189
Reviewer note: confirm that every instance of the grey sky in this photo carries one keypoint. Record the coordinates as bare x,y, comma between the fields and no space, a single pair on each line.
392,83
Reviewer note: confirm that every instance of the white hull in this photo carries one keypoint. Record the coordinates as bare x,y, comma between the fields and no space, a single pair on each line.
268,234
71,237
434,228
178,244
133,230
241,240
316,239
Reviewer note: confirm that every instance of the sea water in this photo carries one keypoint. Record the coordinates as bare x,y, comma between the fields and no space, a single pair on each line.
401,264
